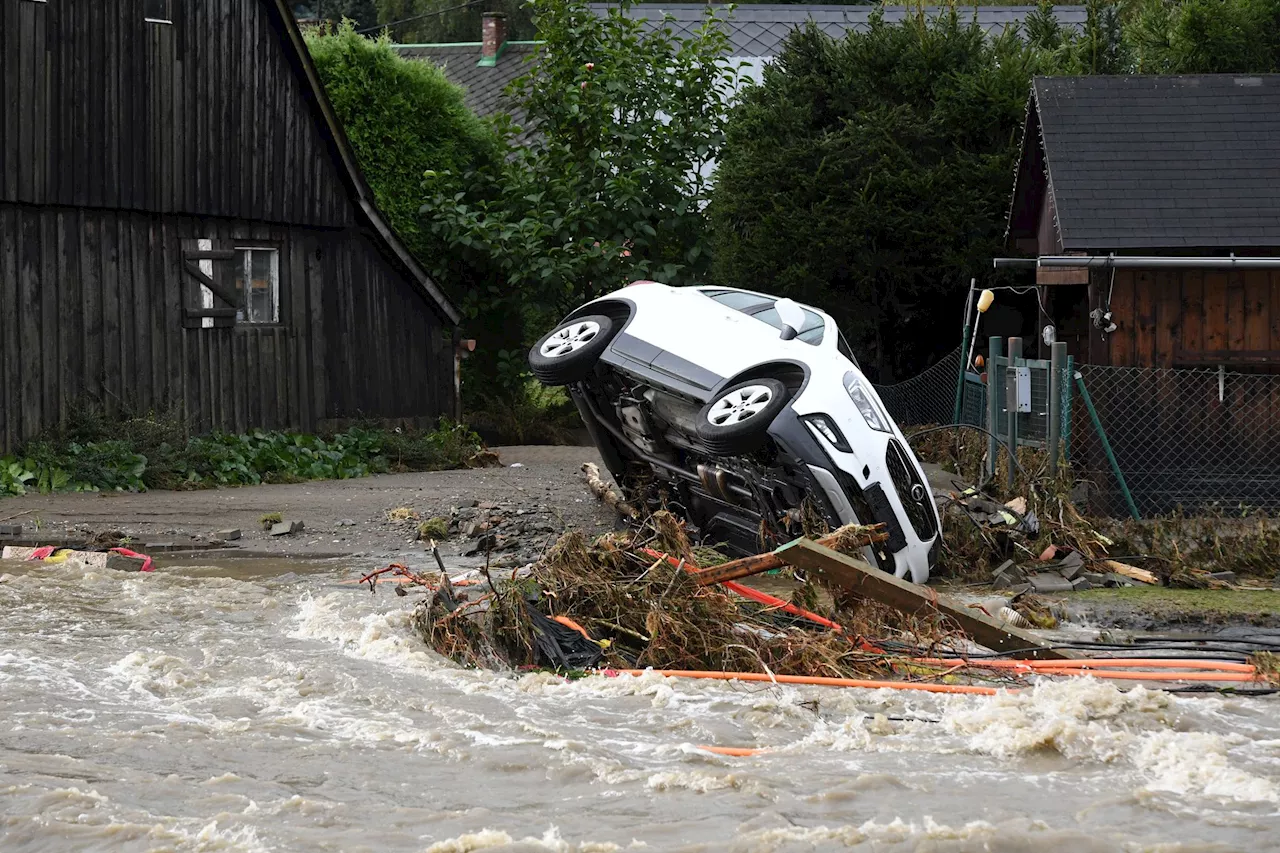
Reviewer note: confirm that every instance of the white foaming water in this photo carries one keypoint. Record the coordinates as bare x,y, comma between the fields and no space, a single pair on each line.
205,713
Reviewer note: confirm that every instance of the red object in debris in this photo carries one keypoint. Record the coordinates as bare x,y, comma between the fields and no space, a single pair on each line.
147,566
1049,553
42,553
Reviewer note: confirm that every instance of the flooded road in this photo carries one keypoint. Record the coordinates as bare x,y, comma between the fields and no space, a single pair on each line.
263,707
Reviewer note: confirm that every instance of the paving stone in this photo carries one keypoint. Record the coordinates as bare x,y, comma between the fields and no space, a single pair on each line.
229,535
287,528
10,529
1049,582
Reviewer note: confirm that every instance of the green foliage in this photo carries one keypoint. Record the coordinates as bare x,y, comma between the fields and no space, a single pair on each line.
363,13
522,410
403,118
130,463
1205,36
871,175
611,188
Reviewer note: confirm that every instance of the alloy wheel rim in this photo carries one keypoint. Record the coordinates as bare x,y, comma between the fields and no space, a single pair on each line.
740,405
571,338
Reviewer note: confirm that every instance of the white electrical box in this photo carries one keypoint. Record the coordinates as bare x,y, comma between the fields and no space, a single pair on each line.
1022,379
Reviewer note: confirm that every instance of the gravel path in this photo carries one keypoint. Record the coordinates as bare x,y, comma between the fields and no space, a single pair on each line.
539,487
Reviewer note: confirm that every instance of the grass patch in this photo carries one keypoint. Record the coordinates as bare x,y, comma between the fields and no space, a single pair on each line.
153,452
1210,606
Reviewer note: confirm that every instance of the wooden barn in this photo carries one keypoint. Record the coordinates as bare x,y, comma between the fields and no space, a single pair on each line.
183,226
1153,204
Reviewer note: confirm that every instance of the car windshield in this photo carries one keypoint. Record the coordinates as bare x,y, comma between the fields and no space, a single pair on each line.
762,309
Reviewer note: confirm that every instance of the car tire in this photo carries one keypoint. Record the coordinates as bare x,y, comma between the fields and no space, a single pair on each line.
567,353
737,420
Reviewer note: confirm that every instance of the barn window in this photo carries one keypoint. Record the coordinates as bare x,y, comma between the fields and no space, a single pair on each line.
257,273
158,11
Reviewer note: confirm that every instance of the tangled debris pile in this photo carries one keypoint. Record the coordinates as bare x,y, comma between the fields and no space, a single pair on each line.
1034,537
631,600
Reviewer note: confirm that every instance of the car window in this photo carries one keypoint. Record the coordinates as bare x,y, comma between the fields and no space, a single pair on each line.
845,349
737,300
810,334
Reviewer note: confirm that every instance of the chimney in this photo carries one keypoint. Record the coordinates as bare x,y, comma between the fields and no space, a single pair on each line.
493,38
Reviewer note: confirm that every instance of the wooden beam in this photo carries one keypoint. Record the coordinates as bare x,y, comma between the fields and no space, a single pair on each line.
193,270
211,255
761,563
854,575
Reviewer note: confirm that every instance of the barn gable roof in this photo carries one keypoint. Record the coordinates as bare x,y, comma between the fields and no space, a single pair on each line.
299,58
1151,162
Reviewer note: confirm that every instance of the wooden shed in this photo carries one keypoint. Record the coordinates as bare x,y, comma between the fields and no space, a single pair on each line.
183,226
1167,190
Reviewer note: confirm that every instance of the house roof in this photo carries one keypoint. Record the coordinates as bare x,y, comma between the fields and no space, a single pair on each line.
1155,162
299,57
484,86
759,30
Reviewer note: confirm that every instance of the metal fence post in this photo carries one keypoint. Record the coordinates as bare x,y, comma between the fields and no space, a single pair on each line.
1011,385
1106,447
995,348
1053,433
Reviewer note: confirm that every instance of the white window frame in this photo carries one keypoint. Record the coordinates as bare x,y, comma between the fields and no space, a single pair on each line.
274,286
206,295
168,20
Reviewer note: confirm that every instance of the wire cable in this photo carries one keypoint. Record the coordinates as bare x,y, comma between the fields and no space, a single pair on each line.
419,17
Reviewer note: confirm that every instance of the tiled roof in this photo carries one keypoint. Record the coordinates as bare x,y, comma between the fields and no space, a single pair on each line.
758,30
484,85
1162,162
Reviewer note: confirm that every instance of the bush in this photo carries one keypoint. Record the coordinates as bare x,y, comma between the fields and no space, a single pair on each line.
403,118
133,463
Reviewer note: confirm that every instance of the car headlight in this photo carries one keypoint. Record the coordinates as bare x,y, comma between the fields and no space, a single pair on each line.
862,400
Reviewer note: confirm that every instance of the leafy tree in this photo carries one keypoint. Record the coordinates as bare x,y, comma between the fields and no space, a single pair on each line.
610,185
1206,36
871,175
403,118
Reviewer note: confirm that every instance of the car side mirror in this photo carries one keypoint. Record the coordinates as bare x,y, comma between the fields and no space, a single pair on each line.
791,316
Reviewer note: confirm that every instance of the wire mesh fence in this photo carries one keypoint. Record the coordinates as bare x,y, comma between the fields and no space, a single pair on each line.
930,397
1190,440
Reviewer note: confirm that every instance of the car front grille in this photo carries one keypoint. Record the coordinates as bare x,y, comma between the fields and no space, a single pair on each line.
907,481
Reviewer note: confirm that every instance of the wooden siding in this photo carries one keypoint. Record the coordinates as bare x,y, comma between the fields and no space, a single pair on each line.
93,300
1190,317
99,108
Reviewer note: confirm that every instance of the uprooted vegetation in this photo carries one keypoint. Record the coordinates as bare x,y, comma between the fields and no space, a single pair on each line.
628,600
95,453
1180,551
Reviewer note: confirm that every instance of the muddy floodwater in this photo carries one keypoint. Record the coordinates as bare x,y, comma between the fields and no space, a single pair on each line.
265,707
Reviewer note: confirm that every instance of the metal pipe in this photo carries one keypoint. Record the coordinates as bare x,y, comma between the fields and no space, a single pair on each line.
1057,362
1139,261
964,347
1106,447
1011,391
995,350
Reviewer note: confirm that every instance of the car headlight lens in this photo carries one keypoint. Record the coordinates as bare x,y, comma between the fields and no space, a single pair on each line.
862,400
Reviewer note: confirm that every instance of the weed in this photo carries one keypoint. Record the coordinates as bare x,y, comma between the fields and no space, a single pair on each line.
270,519
433,529
402,513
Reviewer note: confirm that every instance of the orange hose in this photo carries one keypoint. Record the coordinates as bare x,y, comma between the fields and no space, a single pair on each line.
1093,663
1150,676
735,751
821,681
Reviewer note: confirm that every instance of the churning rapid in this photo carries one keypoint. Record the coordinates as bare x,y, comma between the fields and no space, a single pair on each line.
265,707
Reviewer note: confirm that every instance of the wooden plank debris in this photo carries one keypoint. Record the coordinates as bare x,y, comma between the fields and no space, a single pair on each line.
1132,572
856,576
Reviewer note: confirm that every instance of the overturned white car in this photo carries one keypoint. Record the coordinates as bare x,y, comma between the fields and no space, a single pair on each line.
744,412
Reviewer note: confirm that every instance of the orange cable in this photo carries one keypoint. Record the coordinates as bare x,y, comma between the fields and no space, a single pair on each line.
821,681
1092,663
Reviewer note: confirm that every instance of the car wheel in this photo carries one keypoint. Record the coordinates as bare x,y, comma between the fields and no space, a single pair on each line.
567,353
738,419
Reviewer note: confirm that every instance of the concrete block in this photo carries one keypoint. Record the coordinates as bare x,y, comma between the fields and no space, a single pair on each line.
1227,577
1049,582
286,528
10,529
1094,578
1081,583
229,535
1072,566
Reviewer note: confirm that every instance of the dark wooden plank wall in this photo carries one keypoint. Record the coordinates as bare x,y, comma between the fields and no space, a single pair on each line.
1165,315
99,108
94,299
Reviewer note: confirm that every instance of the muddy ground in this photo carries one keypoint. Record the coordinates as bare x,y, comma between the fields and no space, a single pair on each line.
537,494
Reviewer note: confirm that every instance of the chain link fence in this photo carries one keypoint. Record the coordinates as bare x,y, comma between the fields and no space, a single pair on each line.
930,397
1193,440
